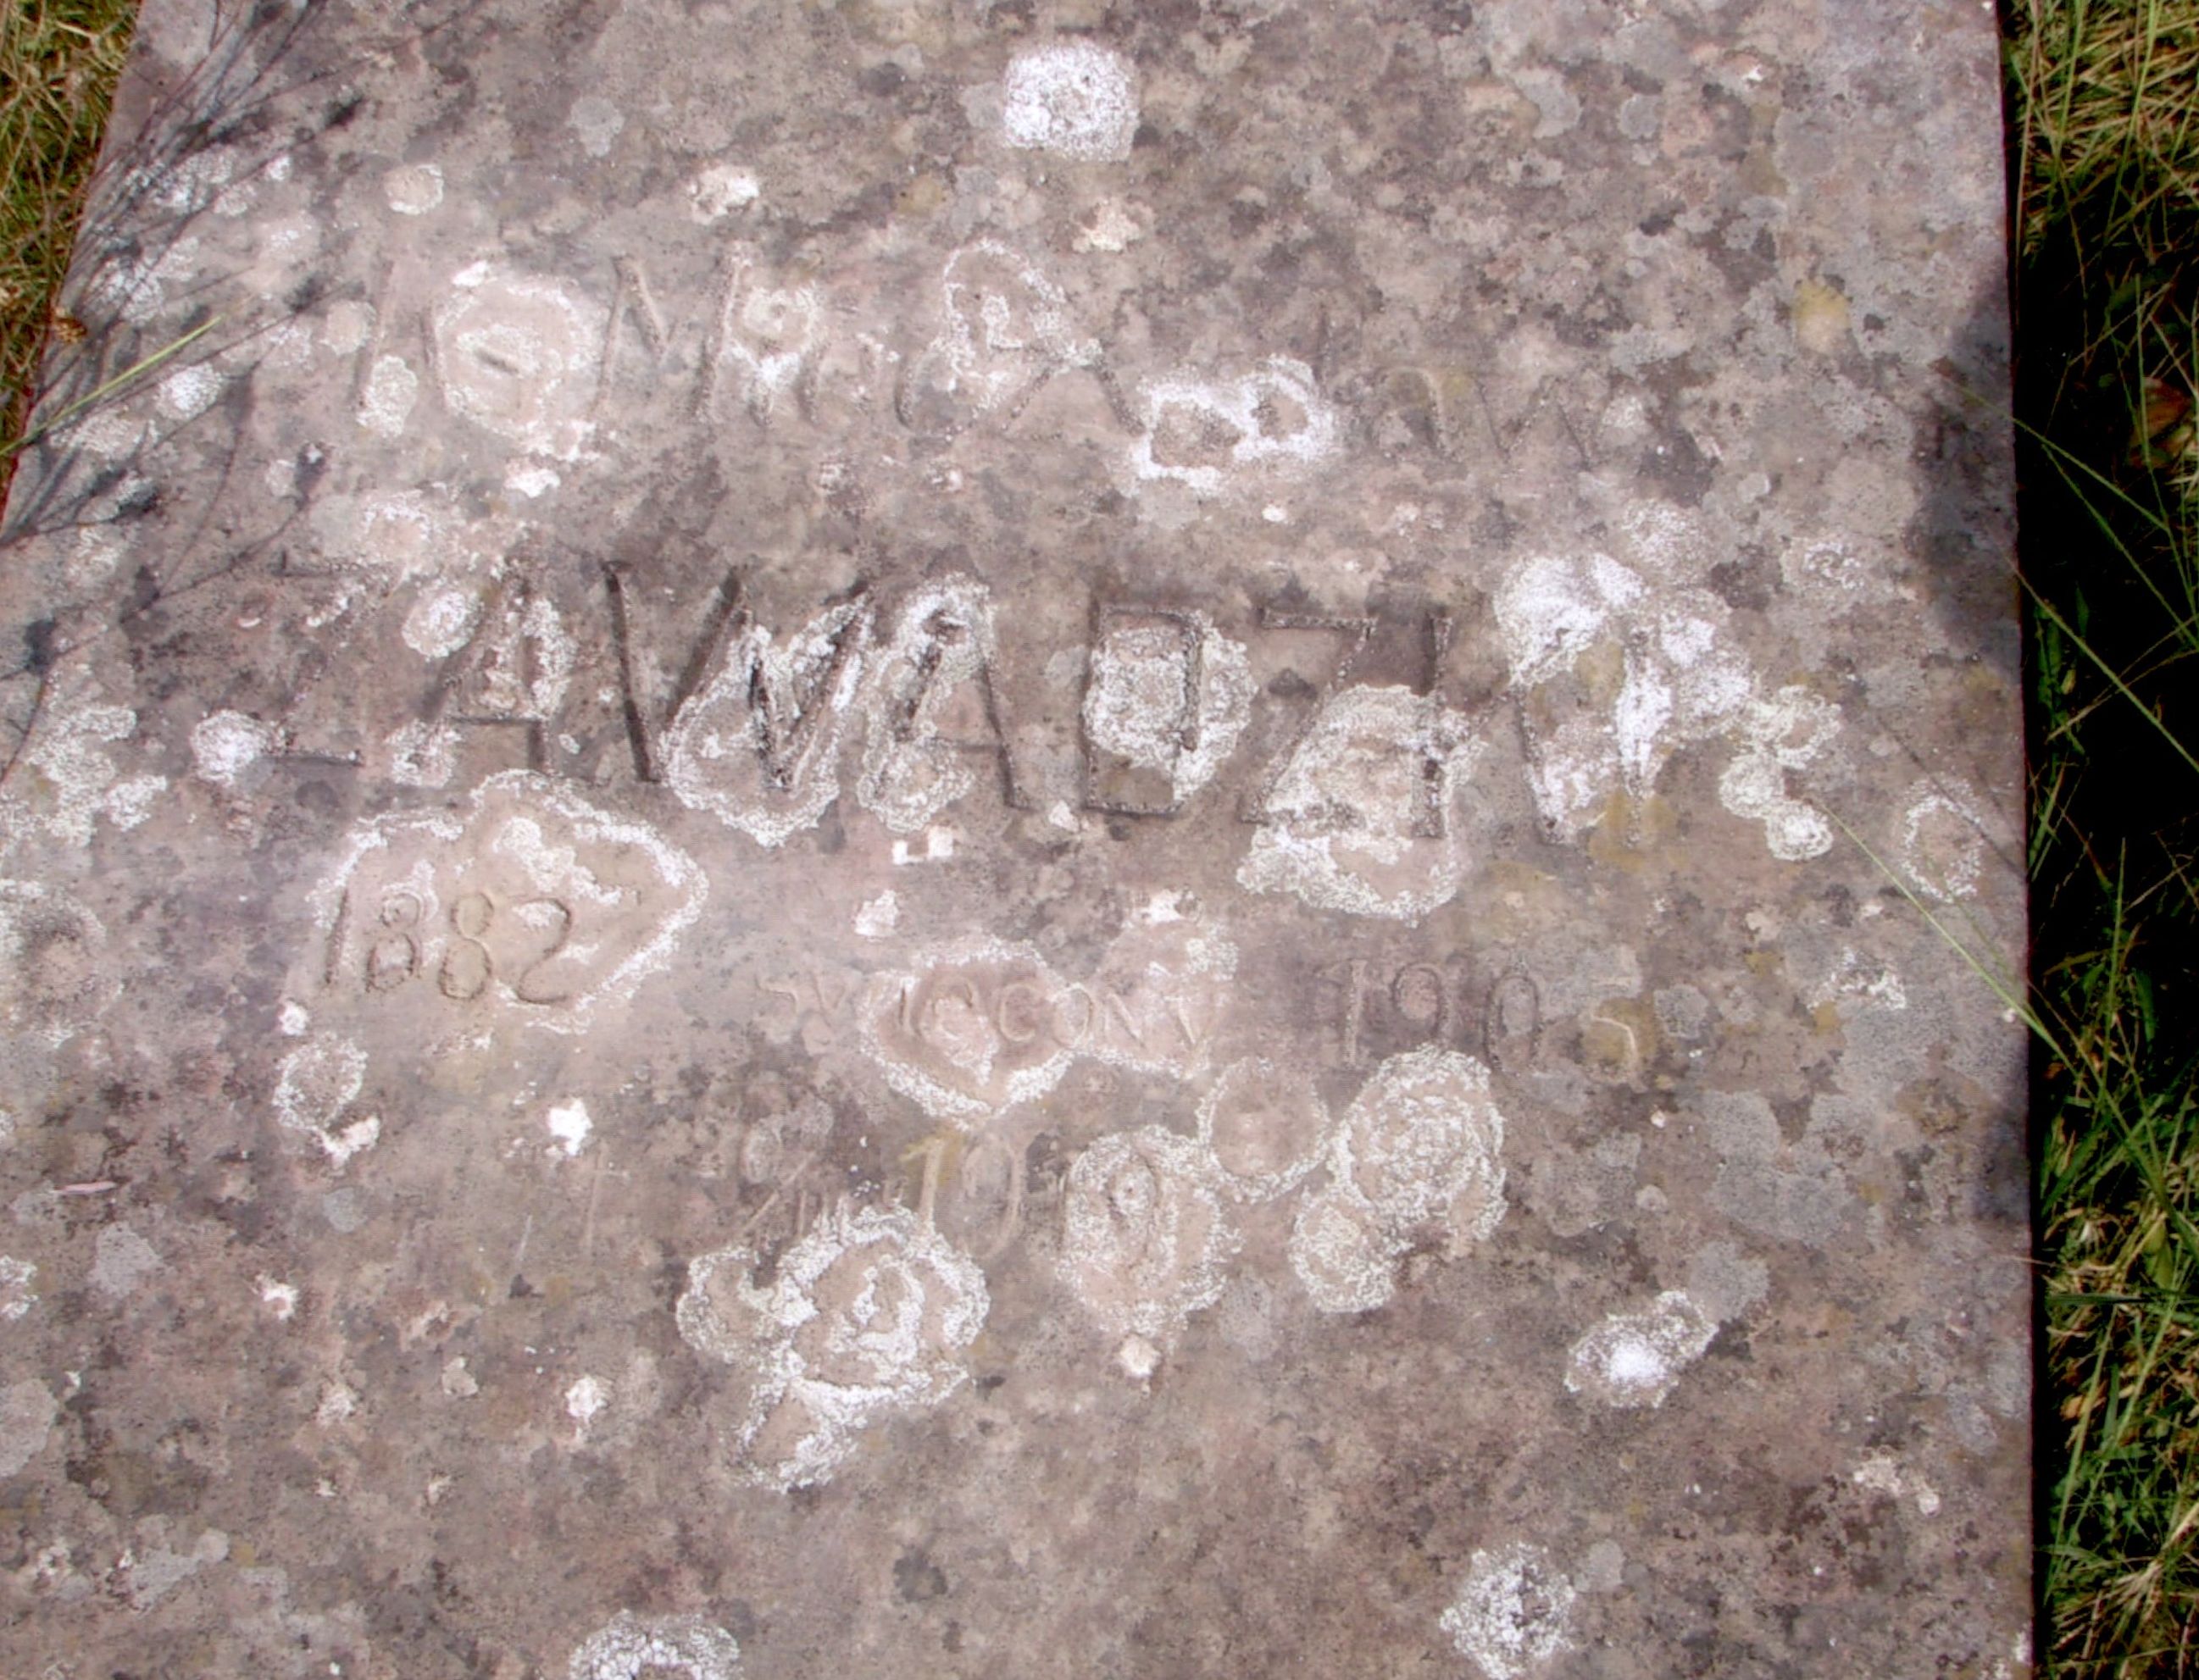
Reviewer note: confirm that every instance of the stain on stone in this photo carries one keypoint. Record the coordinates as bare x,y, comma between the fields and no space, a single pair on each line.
916,1578
1679,469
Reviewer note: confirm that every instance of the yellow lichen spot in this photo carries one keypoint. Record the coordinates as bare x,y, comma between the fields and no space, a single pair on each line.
1601,670
1628,829
1820,317
1618,1039
921,196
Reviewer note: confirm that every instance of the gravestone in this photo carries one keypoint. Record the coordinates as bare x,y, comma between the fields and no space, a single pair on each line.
930,838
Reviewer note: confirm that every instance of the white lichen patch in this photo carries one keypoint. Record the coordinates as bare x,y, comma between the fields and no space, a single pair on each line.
932,734
525,897
877,918
1787,732
1860,983
443,620
1360,818
17,1297
27,1411
595,123
869,1314
1614,675
974,1028
120,1261
1882,1472
586,1400
629,1646
1204,433
55,979
413,188
1076,98
767,340
189,392
569,1127
423,754
187,185
280,1298
339,1403
112,433
1941,843
1171,697
1423,1139
758,746
516,355
1264,1129
1003,332
94,557
521,661
1634,1359
1154,1001
65,780
1421,1144
1345,1255
316,1084
1114,226
226,745
1144,1239
158,1570
1515,1613
719,190
346,327
392,388
135,288
403,534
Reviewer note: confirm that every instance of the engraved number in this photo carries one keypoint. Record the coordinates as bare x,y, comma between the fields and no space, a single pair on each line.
533,931
555,917
467,968
394,957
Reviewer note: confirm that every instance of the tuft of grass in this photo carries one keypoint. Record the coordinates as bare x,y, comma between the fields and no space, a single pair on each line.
59,61
2104,102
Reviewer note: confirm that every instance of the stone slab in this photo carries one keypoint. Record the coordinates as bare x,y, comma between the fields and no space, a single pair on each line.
927,838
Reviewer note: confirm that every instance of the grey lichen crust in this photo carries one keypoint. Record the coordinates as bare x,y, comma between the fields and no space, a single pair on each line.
1042,838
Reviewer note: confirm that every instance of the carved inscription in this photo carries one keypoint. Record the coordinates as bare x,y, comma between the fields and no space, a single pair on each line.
517,354
529,899
757,746
1421,1146
1003,332
1166,698
1376,1007
867,1314
1144,1239
980,1026
933,710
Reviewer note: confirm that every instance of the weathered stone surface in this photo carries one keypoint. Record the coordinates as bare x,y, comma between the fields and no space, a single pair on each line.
933,838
